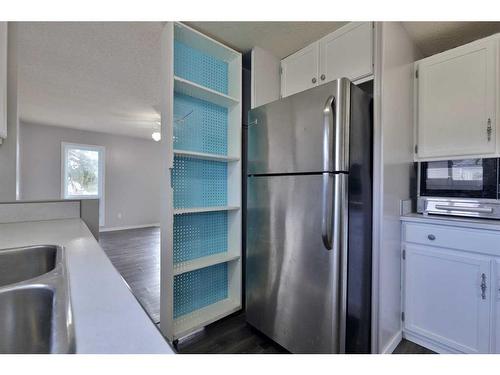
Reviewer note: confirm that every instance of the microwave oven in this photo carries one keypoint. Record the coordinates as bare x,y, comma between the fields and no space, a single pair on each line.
467,187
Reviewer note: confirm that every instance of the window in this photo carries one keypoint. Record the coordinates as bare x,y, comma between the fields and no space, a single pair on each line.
83,174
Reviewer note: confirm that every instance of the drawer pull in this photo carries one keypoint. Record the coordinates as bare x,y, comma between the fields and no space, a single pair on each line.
431,237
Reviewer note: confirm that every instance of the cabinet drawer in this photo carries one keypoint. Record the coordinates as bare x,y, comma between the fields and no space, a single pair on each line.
482,241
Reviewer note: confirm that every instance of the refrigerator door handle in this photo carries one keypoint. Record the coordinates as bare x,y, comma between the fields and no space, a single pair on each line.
328,203
332,207
328,194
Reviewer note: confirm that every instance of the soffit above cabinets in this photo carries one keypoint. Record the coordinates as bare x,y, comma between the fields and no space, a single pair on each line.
436,37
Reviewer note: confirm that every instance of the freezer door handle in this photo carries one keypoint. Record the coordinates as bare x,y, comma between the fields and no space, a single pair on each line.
328,134
336,120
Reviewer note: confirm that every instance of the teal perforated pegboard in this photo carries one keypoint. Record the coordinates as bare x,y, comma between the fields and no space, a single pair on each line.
198,235
197,289
199,67
199,183
202,126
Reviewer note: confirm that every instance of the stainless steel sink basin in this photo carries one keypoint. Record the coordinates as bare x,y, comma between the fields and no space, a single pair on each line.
26,263
35,308
26,320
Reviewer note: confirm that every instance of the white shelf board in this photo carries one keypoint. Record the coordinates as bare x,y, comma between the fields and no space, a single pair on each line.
196,264
195,90
202,317
202,155
180,211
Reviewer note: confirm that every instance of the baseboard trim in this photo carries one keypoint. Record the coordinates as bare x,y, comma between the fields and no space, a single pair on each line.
112,229
393,343
429,344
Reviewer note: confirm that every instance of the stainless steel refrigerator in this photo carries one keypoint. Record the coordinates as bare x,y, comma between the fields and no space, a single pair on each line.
309,220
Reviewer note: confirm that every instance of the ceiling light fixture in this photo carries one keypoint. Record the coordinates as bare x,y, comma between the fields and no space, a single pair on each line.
156,136
156,132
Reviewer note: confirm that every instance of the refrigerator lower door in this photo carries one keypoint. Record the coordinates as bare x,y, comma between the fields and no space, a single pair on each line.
294,283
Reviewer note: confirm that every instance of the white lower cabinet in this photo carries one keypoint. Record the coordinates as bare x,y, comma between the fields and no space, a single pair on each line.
451,296
443,297
496,300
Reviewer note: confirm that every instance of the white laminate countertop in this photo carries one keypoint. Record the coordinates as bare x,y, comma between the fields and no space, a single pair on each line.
107,317
468,222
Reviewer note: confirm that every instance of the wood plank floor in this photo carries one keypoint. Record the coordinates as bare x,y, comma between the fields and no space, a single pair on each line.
408,347
136,255
231,335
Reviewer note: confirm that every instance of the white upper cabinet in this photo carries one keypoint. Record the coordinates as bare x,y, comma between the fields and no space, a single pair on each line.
456,95
299,71
347,52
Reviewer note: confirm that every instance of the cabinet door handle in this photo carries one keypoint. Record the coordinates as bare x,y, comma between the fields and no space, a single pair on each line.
431,237
313,80
323,77
488,129
483,286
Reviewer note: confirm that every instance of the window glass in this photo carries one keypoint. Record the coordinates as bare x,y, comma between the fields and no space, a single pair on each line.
82,172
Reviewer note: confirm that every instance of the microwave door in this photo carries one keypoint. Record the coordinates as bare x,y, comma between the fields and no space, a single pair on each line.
466,178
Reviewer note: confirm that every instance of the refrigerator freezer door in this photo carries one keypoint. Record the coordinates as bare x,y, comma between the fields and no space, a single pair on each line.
297,135
294,294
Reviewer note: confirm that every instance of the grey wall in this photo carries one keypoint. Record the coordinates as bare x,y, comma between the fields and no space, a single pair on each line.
133,167
9,146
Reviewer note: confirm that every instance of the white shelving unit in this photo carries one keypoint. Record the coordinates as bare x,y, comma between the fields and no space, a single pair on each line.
201,205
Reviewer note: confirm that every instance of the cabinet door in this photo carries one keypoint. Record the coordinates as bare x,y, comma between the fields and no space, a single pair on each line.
299,71
443,299
347,52
496,300
456,102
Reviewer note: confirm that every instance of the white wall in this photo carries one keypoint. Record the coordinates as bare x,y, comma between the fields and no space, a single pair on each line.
395,54
132,171
266,77
9,146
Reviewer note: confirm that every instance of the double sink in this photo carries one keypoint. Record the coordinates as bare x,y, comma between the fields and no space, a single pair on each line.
35,308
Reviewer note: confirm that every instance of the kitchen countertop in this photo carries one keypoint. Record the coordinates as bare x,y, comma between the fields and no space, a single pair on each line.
107,317
468,222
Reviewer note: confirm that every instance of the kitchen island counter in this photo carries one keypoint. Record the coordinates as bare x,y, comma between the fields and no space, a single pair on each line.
107,317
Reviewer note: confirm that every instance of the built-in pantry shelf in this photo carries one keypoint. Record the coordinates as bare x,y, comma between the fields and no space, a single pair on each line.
195,264
201,231
195,210
205,156
183,86
188,323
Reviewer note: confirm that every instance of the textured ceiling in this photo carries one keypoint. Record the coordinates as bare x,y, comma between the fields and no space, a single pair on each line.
282,38
99,76
435,37
104,76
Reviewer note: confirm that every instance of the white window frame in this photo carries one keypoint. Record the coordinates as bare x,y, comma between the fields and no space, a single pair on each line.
101,170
